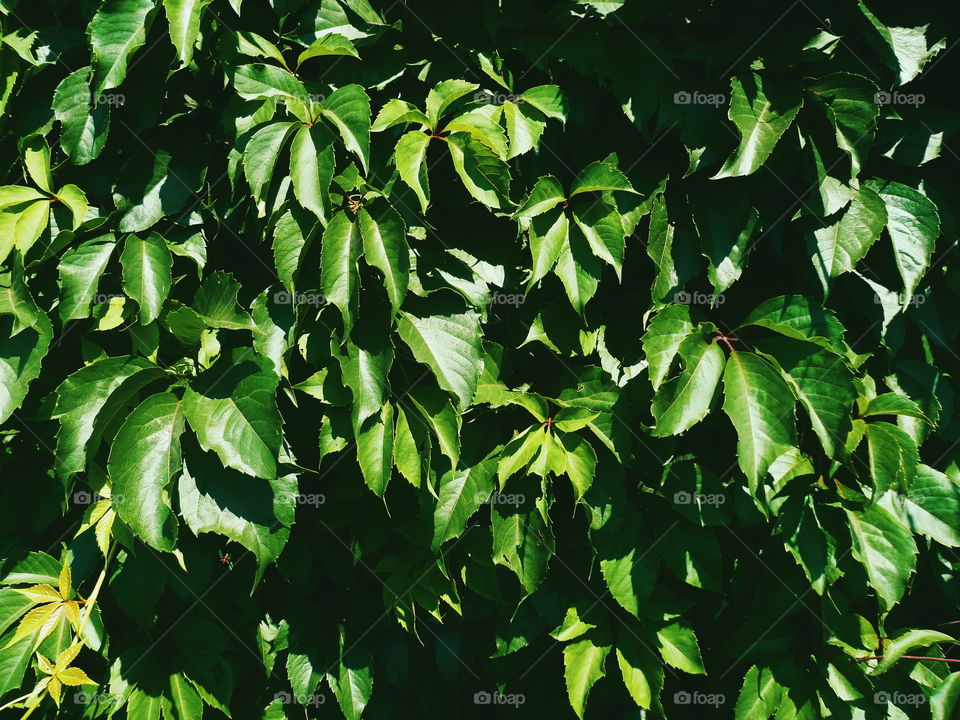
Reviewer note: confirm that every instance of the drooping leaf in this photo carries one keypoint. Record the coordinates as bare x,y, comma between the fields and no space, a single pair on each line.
755,398
144,459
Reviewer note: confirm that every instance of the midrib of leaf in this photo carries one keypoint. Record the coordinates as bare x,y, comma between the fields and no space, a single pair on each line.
751,143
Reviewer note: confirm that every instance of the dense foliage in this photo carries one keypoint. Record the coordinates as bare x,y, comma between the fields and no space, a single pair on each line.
474,359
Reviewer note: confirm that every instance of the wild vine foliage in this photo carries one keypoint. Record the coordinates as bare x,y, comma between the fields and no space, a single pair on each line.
386,359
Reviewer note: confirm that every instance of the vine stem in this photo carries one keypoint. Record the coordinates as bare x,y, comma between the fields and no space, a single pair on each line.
92,599
30,710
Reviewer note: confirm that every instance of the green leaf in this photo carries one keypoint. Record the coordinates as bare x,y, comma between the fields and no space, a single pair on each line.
684,400
583,665
523,541
36,158
811,545
448,343
599,176
932,505
232,408
641,671
481,128
183,17
907,47
339,275
443,95
801,318
397,112
660,250
838,247
332,44
348,109
893,457
366,366
410,155
312,168
409,445
546,194
83,396
249,43
353,683
290,240
885,548
253,512
485,176
726,226
462,492
153,190
80,269
822,382
579,271
375,450
603,228
907,641
259,82
147,265
760,405
185,700
385,248
25,336
760,695
678,647
548,99
116,31
548,236
894,404
850,104
216,302
144,459
668,329
260,157
75,199
914,226
581,461
943,701
524,128
437,412
762,120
